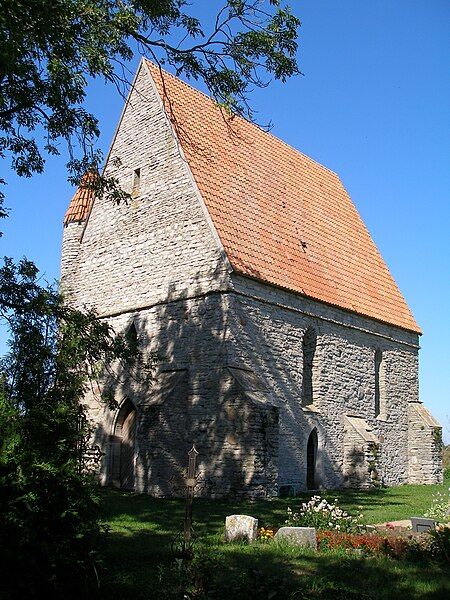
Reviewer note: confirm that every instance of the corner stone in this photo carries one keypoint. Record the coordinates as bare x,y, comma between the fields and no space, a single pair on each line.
241,528
302,536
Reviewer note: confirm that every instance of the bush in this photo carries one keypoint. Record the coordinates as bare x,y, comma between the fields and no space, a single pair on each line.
440,507
321,514
446,459
265,534
372,543
441,542
49,529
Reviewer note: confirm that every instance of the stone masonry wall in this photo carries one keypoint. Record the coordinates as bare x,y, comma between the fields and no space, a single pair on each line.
161,244
361,454
236,437
266,329
157,262
424,446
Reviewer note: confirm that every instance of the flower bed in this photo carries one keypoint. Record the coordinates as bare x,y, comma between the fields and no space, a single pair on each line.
368,543
321,514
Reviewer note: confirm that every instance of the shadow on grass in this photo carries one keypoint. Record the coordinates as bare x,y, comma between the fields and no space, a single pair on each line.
140,563
167,514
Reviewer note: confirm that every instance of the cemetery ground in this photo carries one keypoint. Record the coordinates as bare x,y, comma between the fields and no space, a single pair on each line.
142,558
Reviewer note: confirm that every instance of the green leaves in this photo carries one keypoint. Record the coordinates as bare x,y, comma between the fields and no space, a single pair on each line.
49,530
49,49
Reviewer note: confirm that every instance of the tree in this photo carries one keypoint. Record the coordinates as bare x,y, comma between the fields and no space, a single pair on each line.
49,530
49,49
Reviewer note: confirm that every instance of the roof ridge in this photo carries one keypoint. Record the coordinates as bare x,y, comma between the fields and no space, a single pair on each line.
243,119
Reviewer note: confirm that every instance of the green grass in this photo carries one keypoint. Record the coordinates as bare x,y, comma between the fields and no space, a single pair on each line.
140,561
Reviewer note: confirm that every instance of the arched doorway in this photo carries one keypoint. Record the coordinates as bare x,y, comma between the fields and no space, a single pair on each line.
311,459
122,448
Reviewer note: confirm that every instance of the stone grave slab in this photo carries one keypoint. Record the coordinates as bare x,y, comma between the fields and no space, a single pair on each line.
302,536
240,528
421,524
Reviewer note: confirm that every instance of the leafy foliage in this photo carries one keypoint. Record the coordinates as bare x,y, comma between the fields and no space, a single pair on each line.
50,49
321,514
49,530
441,541
369,543
440,507
446,461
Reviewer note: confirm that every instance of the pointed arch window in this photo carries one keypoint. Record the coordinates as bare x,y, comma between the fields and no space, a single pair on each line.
122,448
309,344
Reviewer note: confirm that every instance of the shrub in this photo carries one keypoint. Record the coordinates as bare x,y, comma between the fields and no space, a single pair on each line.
49,528
441,542
440,507
321,514
371,543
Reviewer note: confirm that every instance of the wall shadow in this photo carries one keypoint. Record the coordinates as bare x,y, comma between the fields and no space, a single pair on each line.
221,384
195,397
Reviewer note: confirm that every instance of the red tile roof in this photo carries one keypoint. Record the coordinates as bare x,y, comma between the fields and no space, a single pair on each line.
282,218
82,200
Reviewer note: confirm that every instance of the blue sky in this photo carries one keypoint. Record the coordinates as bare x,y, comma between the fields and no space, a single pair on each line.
374,106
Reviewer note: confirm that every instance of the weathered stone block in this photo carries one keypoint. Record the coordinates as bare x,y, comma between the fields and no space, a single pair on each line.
241,528
301,536
421,524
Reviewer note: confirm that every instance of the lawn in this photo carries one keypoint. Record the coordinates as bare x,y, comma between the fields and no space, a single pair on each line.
140,558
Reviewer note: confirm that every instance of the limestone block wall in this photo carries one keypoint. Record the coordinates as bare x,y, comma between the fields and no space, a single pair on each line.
69,258
253,438
361,454
424,446
266,329
161,244
235,432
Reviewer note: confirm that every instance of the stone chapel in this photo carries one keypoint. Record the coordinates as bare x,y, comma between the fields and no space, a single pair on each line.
287,353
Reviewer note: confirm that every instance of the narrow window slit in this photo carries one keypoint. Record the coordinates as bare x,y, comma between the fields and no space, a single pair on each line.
309,350
136,183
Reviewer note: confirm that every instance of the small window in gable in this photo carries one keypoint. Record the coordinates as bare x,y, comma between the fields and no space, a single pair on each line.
135,191
309,349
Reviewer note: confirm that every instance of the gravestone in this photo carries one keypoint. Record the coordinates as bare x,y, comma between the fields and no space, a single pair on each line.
241,528
421,524
302,536
286,491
